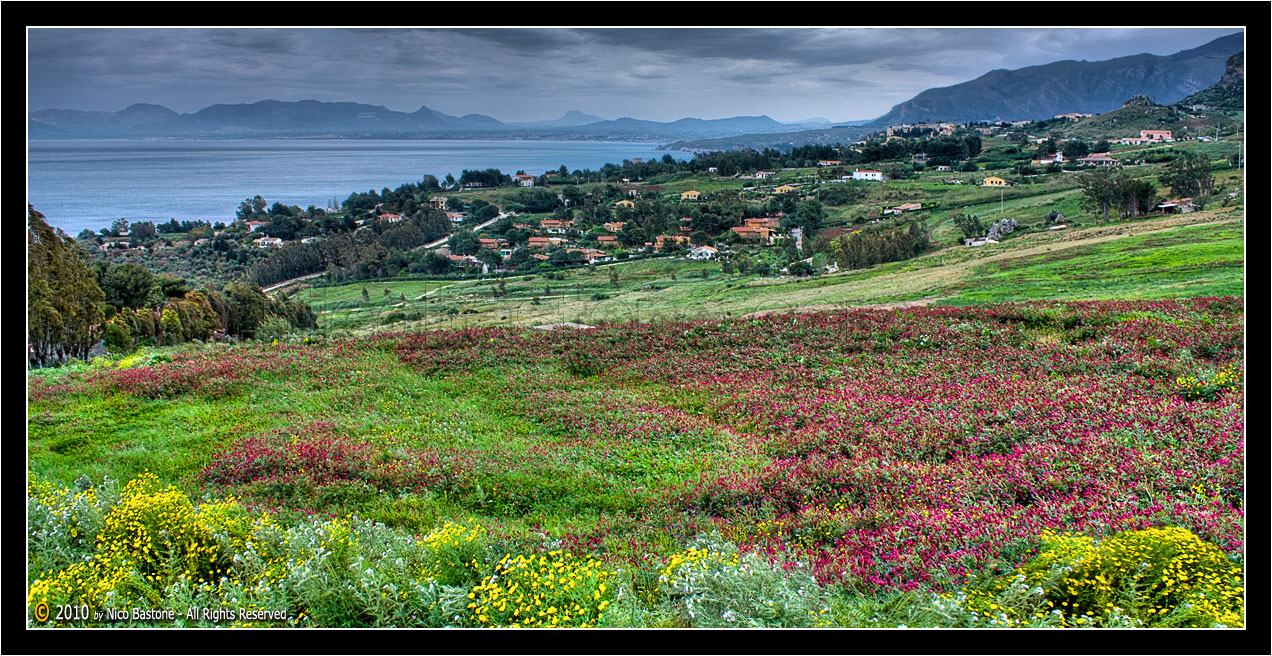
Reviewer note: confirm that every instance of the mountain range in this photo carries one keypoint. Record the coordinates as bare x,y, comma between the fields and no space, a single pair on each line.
313,118
1031,93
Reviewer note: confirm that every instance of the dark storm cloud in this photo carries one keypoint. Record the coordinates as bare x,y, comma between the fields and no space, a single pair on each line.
526,41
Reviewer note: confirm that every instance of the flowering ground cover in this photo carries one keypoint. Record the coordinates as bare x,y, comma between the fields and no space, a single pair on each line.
1004,465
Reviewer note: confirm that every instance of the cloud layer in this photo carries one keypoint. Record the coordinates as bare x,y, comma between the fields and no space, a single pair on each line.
518,74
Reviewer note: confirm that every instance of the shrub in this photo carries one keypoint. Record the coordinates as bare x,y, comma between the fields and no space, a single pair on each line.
713,584
457,553
558,589
273,328
1160,577
1209,386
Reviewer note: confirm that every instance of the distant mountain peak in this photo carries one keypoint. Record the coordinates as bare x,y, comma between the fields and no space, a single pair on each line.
1140,100
1039,92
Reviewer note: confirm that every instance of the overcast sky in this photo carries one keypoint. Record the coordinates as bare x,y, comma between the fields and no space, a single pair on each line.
521,74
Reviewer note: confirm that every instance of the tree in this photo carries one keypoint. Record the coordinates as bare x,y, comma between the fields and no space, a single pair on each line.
800,268
490,257
969,225
127,285
1099,192
809,215
118,227
1075,149
64,301
464,242
1188,176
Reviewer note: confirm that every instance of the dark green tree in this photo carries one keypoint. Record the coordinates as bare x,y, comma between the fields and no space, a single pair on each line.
1189,176
64,301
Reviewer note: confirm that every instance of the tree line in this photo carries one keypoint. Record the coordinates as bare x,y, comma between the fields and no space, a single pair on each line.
73,305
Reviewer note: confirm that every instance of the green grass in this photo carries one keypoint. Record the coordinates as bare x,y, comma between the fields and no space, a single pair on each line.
1122,263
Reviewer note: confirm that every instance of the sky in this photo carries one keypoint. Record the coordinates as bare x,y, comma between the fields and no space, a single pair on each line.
533,74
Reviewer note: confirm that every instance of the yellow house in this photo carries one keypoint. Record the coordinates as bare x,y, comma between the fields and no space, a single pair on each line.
993,181
690,195
625,203
784,189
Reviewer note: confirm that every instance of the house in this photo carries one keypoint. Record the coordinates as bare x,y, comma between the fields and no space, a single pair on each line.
702,253
200,242
907,207
624,203
437,202
1179,206
979,241
763,235
867,174
306,240
555,226
1156,135
391,218
492,243
784,189
544,242
1097,159
1132,141
253,226
1057,158
607,240
268,242
762,175
770,222
686,225
525,180
118,244
455,217
712,169
615,226
660,240
829,162
944,168
993,181
690,195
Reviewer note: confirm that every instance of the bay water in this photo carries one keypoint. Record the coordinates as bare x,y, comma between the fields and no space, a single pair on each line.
87,184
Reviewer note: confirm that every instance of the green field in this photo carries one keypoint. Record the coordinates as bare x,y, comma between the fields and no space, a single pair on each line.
1159,257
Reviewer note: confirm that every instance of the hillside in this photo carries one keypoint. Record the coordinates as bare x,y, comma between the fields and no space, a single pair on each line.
1038,92
1227,95
1031,93
1201,253
1128,120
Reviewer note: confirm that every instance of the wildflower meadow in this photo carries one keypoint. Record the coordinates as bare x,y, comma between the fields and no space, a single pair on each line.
1040,464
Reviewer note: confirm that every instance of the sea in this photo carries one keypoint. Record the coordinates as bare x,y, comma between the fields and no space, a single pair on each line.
88,184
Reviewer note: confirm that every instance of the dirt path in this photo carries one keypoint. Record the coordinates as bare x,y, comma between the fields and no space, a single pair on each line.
290,282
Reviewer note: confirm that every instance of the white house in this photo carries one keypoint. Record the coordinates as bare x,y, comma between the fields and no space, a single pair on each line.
702,253
867,174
